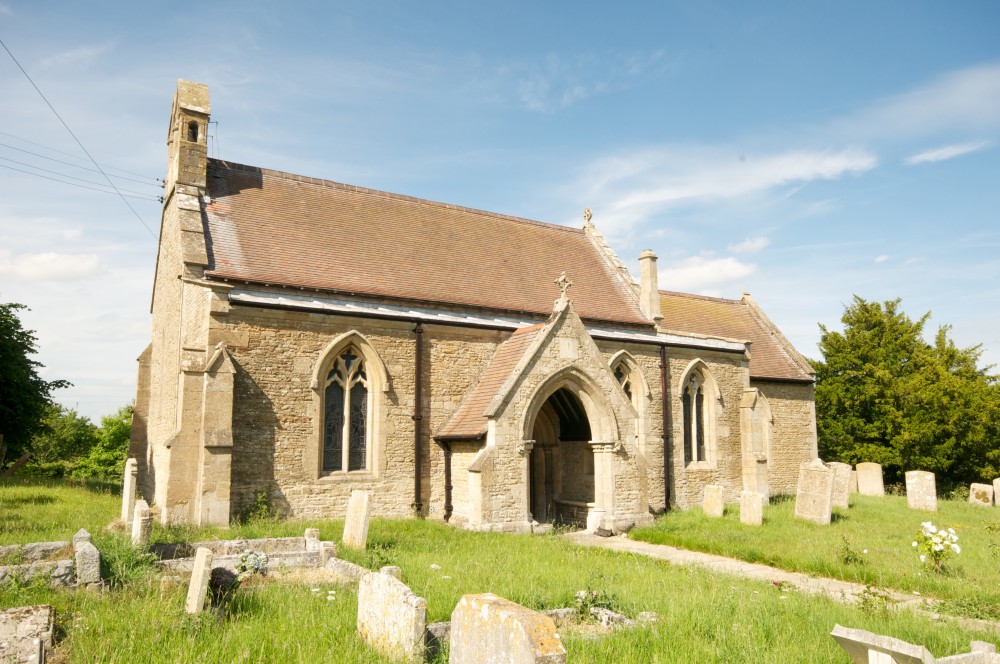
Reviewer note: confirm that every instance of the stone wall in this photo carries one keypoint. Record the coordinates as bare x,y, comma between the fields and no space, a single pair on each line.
793,438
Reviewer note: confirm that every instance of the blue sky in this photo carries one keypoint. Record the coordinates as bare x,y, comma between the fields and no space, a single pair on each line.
801,151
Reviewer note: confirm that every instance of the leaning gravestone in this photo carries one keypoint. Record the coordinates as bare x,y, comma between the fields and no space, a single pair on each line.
128,490
921,490
751,508
141,524
870,479
814,499
713,503
200,575
981,494
358,517
390,616
487,629
870,648
841,484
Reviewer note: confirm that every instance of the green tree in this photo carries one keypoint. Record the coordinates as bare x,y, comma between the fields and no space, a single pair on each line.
24,395
65,437
106,459
884,394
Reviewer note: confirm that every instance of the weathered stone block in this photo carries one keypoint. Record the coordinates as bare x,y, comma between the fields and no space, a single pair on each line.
870,479
854,481
487,629
751,508
128,489
996,490
200,575
814,500
88,564
981,494
142,523
390,616
713,503
868,648
26,633
841,484
358,518
921,490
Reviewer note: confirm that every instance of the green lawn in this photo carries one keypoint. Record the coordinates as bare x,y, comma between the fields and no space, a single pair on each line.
705,618
869,543
43,510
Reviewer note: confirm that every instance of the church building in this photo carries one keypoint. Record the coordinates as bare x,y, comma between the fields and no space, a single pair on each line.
311,338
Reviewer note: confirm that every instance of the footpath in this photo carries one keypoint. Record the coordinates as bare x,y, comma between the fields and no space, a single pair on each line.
844,591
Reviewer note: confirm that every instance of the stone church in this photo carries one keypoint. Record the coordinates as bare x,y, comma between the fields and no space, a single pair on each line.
310,338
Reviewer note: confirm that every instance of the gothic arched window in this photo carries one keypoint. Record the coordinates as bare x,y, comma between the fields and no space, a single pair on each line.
695,422
346,414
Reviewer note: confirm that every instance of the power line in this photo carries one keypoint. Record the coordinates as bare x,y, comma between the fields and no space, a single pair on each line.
82,168
45,170
70,154
103,191
52,108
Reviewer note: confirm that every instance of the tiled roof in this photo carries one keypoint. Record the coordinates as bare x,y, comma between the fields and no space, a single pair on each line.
770,355
468,422
271,227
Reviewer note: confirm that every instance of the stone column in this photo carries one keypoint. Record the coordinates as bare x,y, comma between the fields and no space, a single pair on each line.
128,490
524,450
603,513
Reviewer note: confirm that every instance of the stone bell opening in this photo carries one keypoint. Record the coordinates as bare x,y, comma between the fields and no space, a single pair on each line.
561,462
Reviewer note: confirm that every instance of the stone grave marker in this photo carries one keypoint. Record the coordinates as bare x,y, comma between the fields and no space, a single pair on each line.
87,559
128,490
200,575
488,629
870,479
854,481
712,502
356,522
869,648
841,484
751,508
981,494
142,523
996,491
921,490
26,633
390,616
814,499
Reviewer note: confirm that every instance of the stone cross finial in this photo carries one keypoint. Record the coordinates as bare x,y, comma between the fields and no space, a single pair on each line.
587,214
563,282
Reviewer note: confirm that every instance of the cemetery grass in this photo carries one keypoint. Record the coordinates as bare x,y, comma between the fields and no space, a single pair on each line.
870,543
704,618
46,510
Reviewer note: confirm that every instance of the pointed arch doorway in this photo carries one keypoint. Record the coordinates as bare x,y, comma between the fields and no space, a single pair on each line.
561,462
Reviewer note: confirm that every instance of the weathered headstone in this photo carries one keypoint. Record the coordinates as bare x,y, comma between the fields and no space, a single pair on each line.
870,479
751,508
869,648
200,575
128,489
921,490
142,523
814,499
487,629
26,633
841,484
854,481
87,559
358,517
981,494
713,503
390,616
996,491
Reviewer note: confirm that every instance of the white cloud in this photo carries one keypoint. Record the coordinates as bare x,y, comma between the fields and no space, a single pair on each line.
698,272
76,56
946,152
49,266
750,245
881,259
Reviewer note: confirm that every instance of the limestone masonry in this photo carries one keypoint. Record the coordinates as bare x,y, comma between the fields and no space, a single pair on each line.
311,339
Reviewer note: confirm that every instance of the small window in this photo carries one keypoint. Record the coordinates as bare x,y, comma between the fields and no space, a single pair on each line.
193,131
694,420
346,414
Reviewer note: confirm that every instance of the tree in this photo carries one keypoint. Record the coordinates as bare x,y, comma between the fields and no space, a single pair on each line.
883,394
65,437
106,459
24,395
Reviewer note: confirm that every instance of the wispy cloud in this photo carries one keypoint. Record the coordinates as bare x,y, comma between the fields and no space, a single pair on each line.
78,56
946,152
698,272
750,245
49,266
881,259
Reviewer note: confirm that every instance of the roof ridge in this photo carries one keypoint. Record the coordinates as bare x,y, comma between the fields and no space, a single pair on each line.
692,296
331,184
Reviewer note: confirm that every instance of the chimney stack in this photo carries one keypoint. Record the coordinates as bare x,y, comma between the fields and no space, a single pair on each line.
649,289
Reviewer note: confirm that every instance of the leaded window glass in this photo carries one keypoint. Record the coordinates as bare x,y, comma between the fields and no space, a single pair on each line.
345,414
693,413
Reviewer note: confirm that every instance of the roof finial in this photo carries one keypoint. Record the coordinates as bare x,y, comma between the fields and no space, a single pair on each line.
587,214
564,283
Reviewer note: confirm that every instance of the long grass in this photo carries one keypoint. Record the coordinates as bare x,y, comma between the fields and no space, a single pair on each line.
45,510
703,617
870,543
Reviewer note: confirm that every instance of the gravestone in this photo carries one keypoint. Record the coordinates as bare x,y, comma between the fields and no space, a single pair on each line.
921,490
26,633
87,559
391,618
869,648
487,629
870,479
996,491
200,575
854,481
142,522
751,508
356,522
128,490
814,499
981,494
712,503
841,484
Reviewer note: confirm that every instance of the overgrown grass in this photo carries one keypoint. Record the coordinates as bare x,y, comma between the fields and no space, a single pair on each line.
870,543
45,510
705,618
